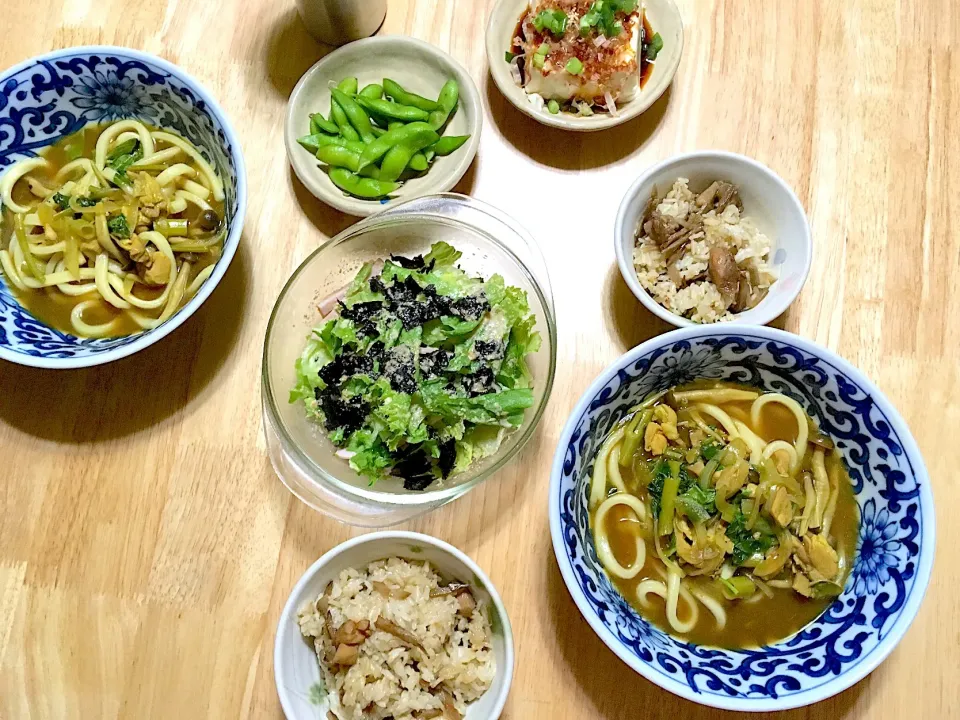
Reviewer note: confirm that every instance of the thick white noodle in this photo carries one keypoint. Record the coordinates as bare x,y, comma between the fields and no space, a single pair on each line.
10,178
720,416
103,284
713,605
199,280
173,172
110,134
196,188
793,406
676,590
604,551
191,198
10,270
598,486
650,587
781,446
86,329
753,441
613,469
158,158
216,185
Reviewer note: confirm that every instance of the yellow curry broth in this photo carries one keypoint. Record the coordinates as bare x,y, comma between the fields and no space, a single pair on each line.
762,621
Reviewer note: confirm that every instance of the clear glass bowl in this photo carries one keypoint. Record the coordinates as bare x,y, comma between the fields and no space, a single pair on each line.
491,242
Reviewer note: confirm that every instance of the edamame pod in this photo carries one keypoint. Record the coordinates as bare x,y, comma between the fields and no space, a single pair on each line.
355,114
449,143
392,110
319,124
361,187
418,162
448,99
400,155
346,157
315,142
372,91
340,118
348,85
394,91
416,135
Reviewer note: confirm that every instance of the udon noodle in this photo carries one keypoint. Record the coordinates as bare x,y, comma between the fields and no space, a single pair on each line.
723,514
111,230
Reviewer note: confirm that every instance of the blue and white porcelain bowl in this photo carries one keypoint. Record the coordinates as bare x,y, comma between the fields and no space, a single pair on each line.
894,551
48,97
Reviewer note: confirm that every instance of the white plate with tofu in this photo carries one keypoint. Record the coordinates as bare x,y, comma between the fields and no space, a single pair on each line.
584,65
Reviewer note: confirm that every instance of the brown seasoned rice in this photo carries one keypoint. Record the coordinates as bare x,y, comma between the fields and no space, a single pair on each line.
392,678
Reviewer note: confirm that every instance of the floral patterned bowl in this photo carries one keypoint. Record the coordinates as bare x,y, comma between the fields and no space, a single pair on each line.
894,550
48,97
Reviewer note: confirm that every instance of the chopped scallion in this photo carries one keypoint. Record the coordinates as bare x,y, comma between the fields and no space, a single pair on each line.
574,66
553,20
655,46
509,56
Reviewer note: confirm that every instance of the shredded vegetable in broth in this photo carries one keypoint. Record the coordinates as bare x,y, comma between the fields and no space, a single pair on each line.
111,230
723,515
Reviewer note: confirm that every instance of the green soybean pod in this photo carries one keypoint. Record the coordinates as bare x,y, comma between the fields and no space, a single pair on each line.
418,162
311,142
348,85
322,140
394,91
449,143
339,156
372,91
417,135
340,118
392,110
400,155
378,131
361,187
449,97
355,114
319,124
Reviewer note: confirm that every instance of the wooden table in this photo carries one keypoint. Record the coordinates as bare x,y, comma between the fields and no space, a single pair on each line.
146,546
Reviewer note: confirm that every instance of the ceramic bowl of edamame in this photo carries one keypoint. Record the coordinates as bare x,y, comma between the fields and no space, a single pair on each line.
381,121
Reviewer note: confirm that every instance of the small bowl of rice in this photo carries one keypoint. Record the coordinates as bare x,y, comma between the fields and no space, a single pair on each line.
394,625
712,236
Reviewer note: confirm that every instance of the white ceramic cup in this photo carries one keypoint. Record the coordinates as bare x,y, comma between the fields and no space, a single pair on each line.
337,22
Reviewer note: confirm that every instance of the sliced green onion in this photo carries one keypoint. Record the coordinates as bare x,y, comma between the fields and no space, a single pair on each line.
633,436
538,61
738,587
553,106
655,46
574,66
509,56
543,49
171,227
553,20
669,499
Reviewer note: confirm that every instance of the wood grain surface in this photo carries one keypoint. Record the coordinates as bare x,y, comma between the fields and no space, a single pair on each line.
146,546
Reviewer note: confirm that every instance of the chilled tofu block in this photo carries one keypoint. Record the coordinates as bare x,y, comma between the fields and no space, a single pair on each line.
582,50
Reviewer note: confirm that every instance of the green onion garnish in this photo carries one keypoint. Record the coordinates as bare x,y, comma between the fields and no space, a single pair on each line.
543,49
655,46
538,61
553,106
509,56
553,20
574,66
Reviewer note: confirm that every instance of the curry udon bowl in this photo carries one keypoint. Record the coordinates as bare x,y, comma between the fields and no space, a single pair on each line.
302,455
894,548
55,95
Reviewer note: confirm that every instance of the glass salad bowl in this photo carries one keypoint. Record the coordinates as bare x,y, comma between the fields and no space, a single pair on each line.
305,459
